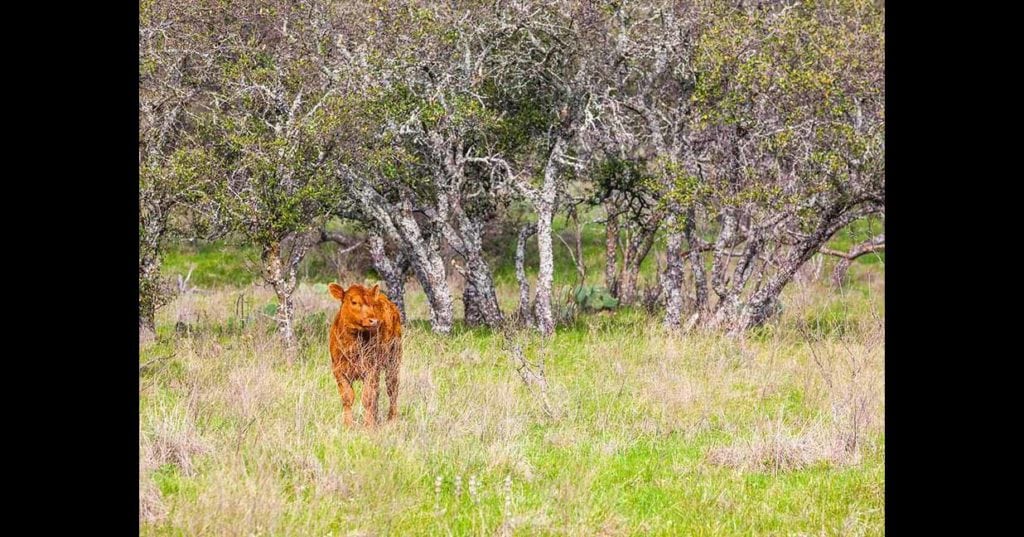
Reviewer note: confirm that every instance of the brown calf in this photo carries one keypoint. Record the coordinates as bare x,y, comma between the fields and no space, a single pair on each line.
365,340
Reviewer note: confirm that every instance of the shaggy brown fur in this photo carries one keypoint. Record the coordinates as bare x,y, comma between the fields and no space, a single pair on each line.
365,340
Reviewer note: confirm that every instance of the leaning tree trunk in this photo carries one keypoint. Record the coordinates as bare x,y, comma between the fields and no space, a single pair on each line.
424,256
765,303
672,280
392,271
429,268
840,270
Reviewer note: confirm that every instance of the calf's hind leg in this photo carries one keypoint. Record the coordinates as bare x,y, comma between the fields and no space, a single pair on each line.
392,380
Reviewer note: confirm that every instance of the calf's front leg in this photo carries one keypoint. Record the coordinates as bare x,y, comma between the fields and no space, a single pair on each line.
348,396
370,383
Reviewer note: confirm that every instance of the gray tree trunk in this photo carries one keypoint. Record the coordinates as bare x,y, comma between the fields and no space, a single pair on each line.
482,307
700,286
672,280
275,275
524,311
429,268
149,288
545,274
472,313
150,292
723,253
480,300
545,206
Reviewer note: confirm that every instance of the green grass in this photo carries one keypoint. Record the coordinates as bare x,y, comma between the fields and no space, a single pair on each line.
649,434
217,264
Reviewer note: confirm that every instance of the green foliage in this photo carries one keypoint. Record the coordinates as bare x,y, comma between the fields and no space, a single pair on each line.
801,79
285,190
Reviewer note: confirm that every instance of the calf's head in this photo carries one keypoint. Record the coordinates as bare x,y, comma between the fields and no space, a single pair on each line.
360,307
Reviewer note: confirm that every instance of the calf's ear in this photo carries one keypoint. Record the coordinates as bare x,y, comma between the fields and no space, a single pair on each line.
336,291
375,292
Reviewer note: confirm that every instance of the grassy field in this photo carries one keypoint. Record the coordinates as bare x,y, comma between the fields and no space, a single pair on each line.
637,432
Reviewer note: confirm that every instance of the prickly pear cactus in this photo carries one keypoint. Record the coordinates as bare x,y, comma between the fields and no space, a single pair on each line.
594,298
